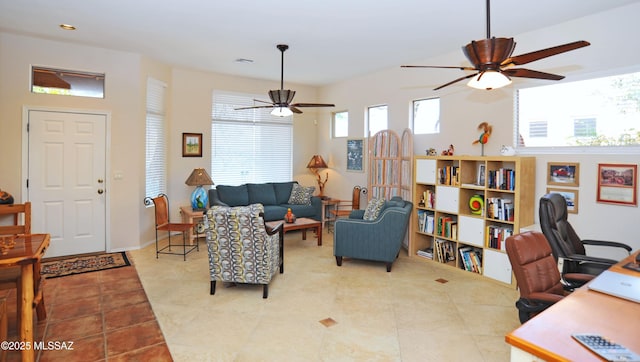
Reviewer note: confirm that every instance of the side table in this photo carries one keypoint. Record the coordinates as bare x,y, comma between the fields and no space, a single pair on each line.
327,205
191,216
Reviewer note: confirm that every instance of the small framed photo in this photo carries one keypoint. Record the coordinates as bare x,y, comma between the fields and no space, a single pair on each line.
480,177
570,195
355,155
617,184
192,145
563,174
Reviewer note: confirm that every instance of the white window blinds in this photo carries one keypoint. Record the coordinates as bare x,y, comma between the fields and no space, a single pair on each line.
156,159
248,146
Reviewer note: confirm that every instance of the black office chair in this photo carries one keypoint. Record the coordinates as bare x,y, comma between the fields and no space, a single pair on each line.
565,243
538,278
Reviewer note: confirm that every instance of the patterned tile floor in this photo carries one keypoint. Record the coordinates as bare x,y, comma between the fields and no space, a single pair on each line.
105,314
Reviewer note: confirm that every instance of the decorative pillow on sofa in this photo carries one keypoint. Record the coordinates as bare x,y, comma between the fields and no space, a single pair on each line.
301,195
374,207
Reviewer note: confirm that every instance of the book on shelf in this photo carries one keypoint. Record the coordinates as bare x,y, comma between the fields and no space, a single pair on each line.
449,175
426,253
477,260
445,250
425,222
502,179
470,259
495,236
430,222
465,263
429,198
500,209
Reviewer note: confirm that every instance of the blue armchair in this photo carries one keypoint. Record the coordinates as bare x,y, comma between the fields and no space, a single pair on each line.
379,239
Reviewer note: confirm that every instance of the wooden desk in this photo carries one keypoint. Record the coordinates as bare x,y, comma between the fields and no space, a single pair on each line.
548,335
27,252
189,216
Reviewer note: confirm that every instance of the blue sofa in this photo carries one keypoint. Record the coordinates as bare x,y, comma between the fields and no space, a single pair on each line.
379,239
274,196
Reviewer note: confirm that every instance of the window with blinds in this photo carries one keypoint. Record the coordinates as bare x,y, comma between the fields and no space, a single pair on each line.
248,146
156,154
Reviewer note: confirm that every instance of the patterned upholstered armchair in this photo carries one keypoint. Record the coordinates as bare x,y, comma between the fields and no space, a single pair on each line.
242,249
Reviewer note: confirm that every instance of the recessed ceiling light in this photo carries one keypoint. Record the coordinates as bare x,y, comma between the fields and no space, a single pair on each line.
243,60
67,27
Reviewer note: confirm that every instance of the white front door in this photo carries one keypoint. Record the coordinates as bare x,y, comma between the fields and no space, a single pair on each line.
66,179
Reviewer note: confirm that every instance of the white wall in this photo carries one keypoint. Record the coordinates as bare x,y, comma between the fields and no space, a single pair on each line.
612,35
188,110
124,100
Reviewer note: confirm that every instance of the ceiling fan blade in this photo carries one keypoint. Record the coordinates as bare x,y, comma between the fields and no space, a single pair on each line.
543,53
436,66
261,101
456,81
312,105
294,109
253,107
528,73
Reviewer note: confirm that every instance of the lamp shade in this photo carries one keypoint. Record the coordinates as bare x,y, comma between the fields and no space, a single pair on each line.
199,177
199,196
280,111
317,162
489,79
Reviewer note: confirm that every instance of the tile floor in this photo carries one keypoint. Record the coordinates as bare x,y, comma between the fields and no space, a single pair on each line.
105,314
317,311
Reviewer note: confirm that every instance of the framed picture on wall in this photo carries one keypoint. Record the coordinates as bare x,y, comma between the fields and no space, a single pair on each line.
617,184
480,177
192,145
355,155
564,174
570,195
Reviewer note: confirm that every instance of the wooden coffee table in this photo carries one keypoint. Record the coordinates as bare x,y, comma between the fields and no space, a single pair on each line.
302,223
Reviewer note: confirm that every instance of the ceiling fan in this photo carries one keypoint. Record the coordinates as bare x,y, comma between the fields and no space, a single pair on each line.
493,63
281,98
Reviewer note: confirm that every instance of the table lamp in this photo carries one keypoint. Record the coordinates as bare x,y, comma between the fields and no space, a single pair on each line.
316,163
199,196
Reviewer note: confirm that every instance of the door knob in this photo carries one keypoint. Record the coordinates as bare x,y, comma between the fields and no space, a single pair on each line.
100,191
100,180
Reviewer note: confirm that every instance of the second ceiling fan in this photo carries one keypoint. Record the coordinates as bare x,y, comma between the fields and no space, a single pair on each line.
281,98
493,63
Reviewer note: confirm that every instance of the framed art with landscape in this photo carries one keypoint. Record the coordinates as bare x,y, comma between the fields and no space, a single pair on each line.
192,145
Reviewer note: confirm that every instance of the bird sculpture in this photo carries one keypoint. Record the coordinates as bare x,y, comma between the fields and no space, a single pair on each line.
484,136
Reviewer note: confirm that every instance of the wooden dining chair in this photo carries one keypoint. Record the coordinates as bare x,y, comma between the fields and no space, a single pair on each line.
10,277
163,223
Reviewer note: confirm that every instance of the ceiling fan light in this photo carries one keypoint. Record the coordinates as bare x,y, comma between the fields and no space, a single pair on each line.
281,112
489,79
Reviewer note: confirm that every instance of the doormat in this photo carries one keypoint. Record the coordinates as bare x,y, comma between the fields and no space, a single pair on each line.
83,264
